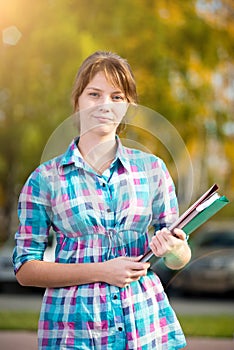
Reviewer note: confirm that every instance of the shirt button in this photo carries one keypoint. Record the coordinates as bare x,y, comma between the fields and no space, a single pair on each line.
108,210
120,329
115,297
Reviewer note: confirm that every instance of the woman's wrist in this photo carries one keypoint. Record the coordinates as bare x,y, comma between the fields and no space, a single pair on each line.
178,258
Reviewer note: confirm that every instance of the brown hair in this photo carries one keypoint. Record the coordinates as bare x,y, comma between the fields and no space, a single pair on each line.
117,71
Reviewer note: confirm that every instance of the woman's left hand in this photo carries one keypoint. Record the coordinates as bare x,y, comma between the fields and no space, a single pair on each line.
164,242
174,249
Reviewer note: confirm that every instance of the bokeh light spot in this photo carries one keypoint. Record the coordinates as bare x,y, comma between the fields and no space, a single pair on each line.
11,35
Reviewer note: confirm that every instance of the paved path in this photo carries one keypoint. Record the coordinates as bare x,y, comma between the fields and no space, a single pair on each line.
204,306
28,341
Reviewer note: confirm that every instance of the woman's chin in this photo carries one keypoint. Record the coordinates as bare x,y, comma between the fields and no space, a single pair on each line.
102,129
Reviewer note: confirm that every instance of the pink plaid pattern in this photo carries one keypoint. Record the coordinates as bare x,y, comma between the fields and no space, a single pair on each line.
95,222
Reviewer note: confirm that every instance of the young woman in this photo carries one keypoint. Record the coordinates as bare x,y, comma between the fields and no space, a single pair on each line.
100,199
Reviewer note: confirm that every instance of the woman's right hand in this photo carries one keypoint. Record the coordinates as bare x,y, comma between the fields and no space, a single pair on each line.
119,272
123,270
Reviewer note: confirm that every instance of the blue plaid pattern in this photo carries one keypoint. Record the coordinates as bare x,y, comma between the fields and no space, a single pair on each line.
96,218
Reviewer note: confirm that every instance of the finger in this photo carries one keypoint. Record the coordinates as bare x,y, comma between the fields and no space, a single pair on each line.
155,248
135,276
141,266
163,234
160,245
180,233
166,230
160,240
136,264
131,258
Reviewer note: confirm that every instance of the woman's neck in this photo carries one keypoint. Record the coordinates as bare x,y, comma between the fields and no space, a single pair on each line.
97,151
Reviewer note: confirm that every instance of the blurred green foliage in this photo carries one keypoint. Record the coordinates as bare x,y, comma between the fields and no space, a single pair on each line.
181,53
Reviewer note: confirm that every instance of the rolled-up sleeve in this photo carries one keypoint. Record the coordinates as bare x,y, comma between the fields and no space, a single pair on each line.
34,221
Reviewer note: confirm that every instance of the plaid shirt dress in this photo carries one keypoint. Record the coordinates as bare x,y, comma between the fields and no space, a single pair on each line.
96,218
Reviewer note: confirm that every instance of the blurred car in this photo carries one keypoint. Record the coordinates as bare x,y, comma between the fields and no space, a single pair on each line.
211,268
8,282
7,276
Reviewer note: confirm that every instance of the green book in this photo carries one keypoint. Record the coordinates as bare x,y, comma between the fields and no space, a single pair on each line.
205,215
196,215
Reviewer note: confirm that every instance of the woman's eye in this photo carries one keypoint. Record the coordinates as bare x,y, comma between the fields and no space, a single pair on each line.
118,98
94,94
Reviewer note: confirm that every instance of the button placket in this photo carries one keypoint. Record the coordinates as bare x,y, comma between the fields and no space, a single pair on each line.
117,309
107,196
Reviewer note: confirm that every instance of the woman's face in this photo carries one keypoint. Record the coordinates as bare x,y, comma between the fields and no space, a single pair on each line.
102,106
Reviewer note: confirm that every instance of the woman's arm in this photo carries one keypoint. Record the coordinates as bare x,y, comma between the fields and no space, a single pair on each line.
175,250
119,272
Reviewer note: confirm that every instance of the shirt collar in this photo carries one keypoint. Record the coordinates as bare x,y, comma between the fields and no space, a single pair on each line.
72,156
123,154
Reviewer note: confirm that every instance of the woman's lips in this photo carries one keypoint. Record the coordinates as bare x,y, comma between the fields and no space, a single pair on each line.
103,118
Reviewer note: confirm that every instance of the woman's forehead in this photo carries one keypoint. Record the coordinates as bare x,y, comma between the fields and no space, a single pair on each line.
103,77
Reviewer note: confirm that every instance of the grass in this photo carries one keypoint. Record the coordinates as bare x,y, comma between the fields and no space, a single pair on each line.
10,320
220,326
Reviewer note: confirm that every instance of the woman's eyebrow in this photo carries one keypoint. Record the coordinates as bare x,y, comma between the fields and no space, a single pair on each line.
93,88
98,89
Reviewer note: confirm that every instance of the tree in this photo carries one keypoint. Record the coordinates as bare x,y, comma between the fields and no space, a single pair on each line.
182,56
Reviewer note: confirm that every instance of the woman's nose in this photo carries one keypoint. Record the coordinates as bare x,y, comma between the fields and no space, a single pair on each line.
105,104
104,108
